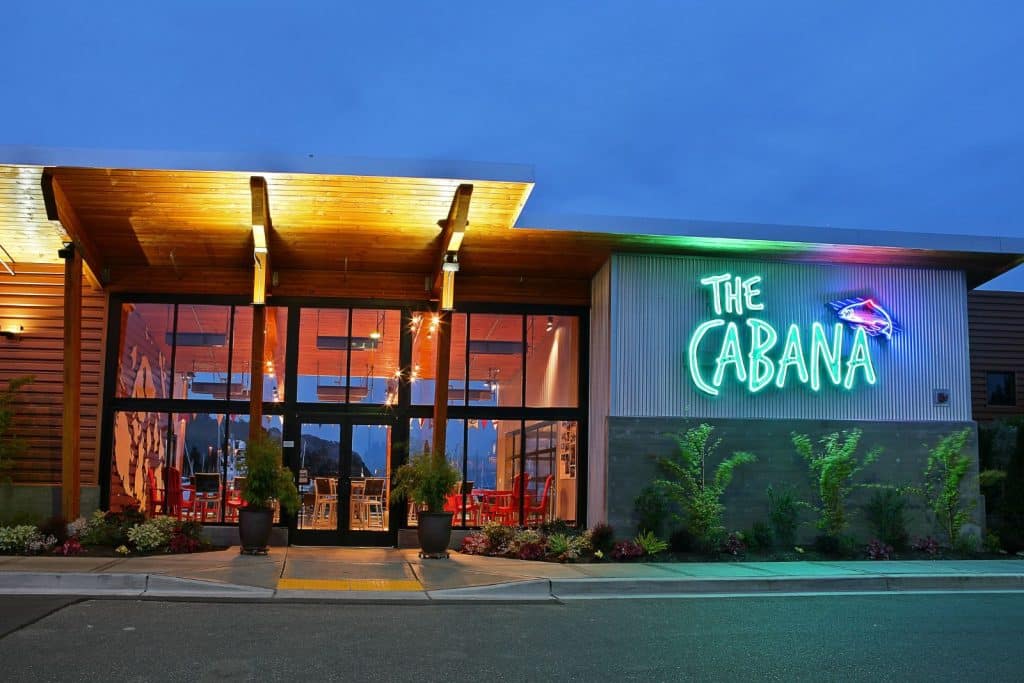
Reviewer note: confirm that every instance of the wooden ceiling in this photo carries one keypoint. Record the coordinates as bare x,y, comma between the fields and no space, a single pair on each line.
26,233
359,237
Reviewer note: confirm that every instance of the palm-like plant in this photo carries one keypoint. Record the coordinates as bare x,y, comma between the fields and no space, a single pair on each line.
697,494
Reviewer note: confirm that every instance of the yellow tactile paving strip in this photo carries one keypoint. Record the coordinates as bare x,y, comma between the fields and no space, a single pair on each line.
349,585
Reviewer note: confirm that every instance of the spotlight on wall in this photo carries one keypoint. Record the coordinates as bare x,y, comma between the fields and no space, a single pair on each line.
12,333
551,323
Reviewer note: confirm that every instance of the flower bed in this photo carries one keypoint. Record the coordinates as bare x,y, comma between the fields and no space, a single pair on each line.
558,542
105,533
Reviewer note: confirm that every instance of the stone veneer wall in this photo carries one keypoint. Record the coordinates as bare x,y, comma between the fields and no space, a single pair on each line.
635,444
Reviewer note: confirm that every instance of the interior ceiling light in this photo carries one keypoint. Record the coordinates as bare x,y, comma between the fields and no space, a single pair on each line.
551,323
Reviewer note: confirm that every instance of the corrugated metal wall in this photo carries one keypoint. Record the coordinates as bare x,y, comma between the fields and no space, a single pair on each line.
597,441
34,300
657,301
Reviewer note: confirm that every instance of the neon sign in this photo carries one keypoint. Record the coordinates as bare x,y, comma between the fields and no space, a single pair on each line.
749,356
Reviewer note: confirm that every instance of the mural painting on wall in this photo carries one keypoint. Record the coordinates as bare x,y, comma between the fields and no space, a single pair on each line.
138,436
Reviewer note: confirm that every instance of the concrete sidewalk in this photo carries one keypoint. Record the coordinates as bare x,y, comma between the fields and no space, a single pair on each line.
387,574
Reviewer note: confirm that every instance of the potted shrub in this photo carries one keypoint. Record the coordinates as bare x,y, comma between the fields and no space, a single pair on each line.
267,481
427,480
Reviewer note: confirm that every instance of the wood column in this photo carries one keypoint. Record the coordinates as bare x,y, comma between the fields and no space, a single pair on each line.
259,325
444,355
71,485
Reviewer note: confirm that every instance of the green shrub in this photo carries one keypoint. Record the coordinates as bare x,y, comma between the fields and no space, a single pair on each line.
834,465
558,544
651,510
651,544
784,516
557,526
602,538
946,470
16,539
151,535
689,484
885,516
760,537
992,542
499,537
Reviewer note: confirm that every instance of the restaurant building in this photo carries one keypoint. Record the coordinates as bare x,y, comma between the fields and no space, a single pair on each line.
405,306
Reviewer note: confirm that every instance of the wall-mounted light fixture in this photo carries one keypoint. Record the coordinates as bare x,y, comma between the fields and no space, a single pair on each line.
12,333
551,324
448,270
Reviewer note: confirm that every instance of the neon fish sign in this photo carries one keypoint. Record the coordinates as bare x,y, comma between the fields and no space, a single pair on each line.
865,313
807,357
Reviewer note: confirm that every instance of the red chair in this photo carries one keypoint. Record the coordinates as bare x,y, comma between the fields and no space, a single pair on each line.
508,510
155,495
175,499
535,510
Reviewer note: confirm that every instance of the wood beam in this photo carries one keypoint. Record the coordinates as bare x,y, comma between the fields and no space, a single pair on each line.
260,230
444,353
71,485
259,325
453,231
59,208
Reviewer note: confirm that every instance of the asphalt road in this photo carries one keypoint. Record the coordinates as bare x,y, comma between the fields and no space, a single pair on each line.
959,637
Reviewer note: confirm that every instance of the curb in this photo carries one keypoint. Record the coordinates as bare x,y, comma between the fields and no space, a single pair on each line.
121,585
160,586
570,589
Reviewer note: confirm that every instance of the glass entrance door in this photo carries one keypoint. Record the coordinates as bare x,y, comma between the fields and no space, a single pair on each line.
343,471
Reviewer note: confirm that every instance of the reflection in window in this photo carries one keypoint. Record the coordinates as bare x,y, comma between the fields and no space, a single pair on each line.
552,361
275,333
201,354
1001,388
145,353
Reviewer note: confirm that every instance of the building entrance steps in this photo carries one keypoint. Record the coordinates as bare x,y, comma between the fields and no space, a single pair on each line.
387,574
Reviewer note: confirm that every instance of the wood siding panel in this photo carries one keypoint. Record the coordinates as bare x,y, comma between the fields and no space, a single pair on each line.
996,324
34,299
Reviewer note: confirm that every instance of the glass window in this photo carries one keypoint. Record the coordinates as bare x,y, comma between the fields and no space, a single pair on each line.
423,327
374,350
323,355
145,350
552,361
319,463
137,464
495,360
199,457
1001,388
370,483
273,351
201,354
549,460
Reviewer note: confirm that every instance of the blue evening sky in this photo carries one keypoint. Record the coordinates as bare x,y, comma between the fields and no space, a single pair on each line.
906,115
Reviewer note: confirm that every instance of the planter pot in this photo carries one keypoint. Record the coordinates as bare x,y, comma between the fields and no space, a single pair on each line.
254,525
435,532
